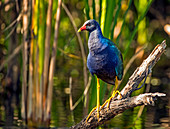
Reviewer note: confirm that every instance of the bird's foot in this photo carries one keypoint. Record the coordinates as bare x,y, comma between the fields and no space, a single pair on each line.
109,100
98,115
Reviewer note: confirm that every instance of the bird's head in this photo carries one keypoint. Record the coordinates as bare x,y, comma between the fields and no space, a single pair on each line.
89,25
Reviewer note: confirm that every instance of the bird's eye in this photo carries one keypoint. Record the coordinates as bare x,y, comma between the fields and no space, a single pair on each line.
88,24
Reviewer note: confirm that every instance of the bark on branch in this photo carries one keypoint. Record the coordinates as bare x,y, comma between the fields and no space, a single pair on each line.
143,70
118,105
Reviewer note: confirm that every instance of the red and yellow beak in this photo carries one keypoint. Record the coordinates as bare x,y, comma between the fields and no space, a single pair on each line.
82,28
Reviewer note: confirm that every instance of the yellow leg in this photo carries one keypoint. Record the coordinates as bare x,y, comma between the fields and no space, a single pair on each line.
98,102
113,94
98,98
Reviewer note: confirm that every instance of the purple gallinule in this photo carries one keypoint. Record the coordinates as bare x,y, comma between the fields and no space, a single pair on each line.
104,60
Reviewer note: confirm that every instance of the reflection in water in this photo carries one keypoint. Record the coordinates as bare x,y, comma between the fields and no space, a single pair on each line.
10,109
152,116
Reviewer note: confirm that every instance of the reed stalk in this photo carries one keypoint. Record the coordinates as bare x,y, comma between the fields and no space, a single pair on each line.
52,64
25,58
47,53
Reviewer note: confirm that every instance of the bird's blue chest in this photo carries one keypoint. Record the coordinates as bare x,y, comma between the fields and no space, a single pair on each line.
103,61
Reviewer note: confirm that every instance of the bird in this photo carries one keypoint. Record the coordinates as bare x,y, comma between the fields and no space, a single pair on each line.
104,60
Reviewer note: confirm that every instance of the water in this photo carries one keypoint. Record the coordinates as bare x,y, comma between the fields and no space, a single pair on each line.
152,116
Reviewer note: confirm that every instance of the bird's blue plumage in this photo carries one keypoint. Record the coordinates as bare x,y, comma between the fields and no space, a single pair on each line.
104,58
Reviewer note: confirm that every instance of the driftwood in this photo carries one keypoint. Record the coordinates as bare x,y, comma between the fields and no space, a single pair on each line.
118,105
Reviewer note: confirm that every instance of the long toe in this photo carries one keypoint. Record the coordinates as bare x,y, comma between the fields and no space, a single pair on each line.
98,113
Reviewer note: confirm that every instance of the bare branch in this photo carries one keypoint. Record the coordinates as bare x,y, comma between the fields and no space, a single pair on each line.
130,62
144,69
118,105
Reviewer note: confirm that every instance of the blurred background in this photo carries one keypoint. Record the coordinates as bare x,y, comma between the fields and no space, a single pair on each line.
136,27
